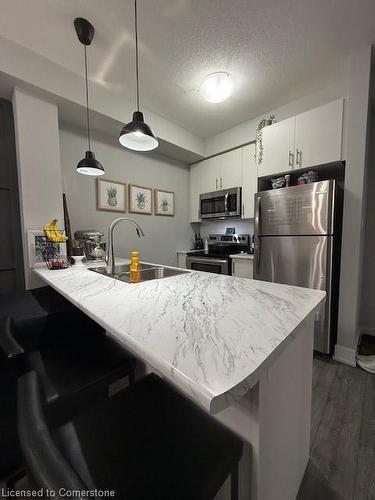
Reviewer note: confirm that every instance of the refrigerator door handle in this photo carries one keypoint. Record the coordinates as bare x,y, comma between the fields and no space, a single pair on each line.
257,249
257,215
257,231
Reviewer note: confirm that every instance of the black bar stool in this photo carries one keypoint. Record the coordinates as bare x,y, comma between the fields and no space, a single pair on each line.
74,374
146,442
35,312
41,329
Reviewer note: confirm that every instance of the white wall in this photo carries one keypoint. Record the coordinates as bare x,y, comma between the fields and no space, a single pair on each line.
163,235
39,172
354,206
367,313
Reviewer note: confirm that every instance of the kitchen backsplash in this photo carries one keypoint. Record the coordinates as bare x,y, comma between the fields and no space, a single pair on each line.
219,226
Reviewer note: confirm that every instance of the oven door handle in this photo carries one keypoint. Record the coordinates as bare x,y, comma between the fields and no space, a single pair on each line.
206,260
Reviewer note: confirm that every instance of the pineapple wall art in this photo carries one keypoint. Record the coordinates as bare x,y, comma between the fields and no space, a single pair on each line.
140,199
110,195
116,196
164,202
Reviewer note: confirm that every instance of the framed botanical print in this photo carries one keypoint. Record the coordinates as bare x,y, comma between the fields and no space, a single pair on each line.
110,195
164,202
140,199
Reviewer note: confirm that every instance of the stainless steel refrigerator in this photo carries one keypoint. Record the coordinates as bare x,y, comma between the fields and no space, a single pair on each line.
295,243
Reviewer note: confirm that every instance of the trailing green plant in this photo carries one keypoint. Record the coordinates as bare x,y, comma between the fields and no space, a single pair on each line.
258,155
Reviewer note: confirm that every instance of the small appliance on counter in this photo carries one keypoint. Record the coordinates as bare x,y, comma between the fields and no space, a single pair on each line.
91,243
198,242
217,258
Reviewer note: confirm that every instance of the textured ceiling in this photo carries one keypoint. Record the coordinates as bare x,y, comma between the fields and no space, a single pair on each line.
276,50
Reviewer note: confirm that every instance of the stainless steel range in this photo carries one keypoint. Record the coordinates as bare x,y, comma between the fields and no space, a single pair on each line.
216,259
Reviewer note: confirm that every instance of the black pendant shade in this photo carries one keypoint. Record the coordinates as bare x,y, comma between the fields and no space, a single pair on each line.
88,165
137,135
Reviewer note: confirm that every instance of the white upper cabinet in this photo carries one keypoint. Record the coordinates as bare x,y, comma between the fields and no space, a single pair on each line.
229,169
278,147
318,136
307,140
249,180
195,191
210,175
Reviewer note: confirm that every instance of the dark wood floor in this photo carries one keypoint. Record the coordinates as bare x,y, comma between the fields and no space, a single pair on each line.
342,464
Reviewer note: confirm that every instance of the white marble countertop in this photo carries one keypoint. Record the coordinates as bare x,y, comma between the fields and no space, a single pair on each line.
242,256
211,335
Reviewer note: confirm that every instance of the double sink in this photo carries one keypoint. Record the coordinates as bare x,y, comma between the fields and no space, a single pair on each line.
147,272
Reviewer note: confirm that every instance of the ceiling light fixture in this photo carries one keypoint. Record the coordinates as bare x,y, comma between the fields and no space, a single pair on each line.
137,135
217,87
88,165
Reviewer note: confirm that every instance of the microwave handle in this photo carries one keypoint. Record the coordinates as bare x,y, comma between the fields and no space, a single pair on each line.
226,203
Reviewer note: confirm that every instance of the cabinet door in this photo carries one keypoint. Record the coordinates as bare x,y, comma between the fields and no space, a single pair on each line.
229,169
195,191
249,181
242,268
278,147
318,137
210,175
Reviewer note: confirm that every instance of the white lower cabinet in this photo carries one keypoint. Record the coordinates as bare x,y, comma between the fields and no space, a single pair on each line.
181,260
242,267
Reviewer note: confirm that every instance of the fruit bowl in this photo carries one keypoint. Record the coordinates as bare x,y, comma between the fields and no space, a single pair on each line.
56,263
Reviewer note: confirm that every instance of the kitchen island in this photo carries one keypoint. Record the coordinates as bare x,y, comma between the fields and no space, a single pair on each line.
241,349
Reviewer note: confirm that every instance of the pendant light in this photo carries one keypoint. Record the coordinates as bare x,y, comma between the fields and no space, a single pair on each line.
137,135
88,165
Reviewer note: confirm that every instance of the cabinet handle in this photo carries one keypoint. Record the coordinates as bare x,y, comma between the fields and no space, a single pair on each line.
298,158
291,158
221,183
216,183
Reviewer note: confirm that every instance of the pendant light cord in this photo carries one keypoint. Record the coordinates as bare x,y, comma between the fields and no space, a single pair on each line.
87,102
136,50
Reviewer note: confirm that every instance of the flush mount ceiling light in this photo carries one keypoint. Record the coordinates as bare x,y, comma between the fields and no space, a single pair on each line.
217,87
88,165
137,135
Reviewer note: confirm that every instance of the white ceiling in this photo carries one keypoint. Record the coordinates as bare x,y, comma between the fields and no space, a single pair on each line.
276,50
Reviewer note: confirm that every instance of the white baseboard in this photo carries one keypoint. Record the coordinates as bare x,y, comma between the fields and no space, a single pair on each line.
345,355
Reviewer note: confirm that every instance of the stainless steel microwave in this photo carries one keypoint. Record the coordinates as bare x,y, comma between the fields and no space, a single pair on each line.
221,204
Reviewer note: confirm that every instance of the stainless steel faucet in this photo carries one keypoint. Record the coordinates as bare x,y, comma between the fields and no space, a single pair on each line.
110,257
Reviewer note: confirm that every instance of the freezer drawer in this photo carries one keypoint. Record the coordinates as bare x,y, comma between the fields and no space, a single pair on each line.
301,261
296,210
